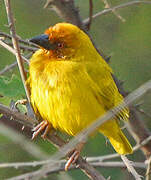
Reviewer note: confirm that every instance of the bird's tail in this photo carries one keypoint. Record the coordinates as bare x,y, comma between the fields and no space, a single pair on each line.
116,137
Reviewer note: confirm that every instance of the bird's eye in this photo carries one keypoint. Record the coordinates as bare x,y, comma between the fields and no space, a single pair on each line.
60,45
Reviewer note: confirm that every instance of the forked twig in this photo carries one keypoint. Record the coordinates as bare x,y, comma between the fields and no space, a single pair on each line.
106,11
107,6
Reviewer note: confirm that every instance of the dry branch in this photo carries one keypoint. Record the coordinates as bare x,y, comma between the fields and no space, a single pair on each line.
61,164
16,46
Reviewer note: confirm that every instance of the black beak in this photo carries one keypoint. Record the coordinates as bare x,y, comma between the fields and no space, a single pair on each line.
43,41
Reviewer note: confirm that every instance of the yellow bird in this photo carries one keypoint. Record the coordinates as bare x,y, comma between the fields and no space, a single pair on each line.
72,85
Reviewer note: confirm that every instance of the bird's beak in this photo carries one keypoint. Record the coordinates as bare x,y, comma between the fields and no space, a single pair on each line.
43,41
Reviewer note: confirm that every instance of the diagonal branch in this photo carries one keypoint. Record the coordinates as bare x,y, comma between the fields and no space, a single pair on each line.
16,46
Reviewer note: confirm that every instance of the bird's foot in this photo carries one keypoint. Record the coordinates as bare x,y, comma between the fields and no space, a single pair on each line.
21,101
44,125
74,155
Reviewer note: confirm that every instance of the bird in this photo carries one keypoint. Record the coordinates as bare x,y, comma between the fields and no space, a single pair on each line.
72,85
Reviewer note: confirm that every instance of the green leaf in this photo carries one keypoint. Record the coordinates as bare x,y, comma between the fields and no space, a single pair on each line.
11,87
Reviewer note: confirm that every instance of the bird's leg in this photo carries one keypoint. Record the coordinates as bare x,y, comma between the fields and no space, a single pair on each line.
40,127
74,154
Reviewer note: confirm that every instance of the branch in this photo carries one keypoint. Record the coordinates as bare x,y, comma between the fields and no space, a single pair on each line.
106,11
90,14
130,167
61,164
21,118
16,46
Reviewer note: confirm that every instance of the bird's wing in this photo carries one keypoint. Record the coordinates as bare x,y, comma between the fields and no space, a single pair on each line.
101,74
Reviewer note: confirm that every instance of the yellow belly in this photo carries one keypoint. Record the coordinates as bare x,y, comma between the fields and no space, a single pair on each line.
69,107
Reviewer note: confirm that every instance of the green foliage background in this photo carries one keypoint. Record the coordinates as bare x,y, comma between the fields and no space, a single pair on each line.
128,43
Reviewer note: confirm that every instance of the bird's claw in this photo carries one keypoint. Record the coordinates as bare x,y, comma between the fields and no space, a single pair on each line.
72,159
44,125
74,155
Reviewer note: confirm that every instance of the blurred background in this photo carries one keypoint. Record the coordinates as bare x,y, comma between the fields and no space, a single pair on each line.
129,45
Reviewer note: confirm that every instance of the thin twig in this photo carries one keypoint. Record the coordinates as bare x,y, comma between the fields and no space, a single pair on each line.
106,11
61,164
130,167
90,14
16,46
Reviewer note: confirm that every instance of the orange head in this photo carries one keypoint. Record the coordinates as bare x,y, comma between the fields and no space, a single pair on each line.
63,40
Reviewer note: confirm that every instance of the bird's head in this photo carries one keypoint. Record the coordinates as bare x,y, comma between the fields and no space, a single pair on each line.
64,41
